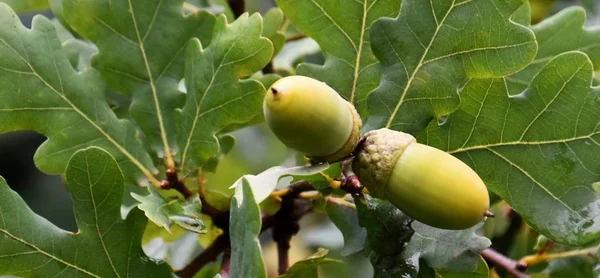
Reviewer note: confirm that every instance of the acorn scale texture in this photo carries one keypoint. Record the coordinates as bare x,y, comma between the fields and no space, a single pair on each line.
427,184
309,116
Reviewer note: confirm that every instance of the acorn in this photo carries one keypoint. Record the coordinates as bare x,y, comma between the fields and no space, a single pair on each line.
309,116
427,184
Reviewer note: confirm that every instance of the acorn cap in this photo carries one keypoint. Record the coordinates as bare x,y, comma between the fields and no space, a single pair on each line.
350,144
377,157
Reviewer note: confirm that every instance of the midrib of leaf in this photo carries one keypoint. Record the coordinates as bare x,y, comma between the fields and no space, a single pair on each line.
420,64
143,169
96,219
208,88
38,250
169,162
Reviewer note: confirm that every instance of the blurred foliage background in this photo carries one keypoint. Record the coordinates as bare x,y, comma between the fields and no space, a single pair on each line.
256,149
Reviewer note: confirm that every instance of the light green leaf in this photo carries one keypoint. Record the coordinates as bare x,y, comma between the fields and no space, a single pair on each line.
264,183
216,97
341,28
166,212
273,21
245,223
558,34
105,246
40,91
24,6
433,48
309,267
537,149
141,53
292,52
226,143
403,248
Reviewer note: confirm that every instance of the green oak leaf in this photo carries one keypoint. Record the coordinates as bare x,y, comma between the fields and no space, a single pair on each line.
292,53
40,91
226,143
142,47
105,245
404,247
536,149
433,48
168,211
264,183
25,6
341,28
244,228
560,33
309,267
481,271
343,215
216,97
273,21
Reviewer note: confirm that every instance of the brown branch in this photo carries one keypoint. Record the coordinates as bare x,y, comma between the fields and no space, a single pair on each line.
221,219
511,266
173,182
237,7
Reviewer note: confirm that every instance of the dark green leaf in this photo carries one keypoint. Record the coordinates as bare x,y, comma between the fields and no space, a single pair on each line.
433,48
216,97
395,248
558,34
23,6
142,50
165,212
41,91
245,222
309,267
535,149
105,246
341,28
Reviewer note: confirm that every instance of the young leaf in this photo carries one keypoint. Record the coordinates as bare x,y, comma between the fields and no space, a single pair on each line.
560,33
264,183
432,48
535,149
216,97
166,212
342,30
105,246
142,49
404,246
309,267
245,222
41,91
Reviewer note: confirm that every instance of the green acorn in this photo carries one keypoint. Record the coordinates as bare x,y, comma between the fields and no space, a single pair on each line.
312,118
427,184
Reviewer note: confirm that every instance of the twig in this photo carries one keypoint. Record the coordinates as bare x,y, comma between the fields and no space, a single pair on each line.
221,219
173,182
295,37
237,7
511,266
208,255
540,258
226,263
283,248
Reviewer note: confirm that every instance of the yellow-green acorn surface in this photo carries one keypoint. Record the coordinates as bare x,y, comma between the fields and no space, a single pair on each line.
427,184
312,118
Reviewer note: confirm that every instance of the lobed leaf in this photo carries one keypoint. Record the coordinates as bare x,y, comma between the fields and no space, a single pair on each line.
105,246
341,28
432,48
40,91
245,223
216,97
535,149
142,53
25,6
309,267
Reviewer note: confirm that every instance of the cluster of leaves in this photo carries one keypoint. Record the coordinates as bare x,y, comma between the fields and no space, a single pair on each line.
470,77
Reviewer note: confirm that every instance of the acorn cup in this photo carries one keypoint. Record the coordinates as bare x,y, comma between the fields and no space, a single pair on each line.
312,118
427,184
